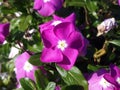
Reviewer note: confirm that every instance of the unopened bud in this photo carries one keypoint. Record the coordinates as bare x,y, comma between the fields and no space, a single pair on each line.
106,26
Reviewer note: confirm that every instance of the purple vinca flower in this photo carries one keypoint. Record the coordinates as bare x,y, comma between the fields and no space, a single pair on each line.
96,81
62,45
113,76
47,7
23,68
4,31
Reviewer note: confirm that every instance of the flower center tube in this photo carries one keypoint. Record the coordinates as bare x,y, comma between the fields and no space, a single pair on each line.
118,80
62,45
55,23
104,83
28,67
45,1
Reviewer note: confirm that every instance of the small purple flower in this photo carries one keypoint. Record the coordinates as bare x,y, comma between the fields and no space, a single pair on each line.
4,31
47,7
62,45
113,76
23,68
96,81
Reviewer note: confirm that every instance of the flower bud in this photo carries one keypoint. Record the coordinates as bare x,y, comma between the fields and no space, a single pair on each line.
106,26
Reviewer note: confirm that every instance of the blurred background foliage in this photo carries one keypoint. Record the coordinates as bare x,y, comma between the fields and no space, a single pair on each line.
23,19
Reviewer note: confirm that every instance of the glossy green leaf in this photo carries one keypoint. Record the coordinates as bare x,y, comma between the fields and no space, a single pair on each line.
50,86
61,71
25,22
5,49
41,80
73,77
73,87
35,60
115,42
27,84
92,67
19,89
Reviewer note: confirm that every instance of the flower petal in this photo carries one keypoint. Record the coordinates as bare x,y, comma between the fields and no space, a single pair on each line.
96,76
109,78
46,26
69,58
75,40
4,29
71,18
83,50
20,60
2,38
38,4
118,2
63,30
51,55
30,75
47,9
55,17
115,71
49,39
57,3
20,74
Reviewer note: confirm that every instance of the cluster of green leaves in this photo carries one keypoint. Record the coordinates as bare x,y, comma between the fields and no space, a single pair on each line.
89,13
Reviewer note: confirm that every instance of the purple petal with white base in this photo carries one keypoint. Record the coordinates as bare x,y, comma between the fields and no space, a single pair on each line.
23,68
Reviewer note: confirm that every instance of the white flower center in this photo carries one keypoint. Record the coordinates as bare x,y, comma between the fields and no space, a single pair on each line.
104,83
118,80
45,1
55,23
28,67
62,44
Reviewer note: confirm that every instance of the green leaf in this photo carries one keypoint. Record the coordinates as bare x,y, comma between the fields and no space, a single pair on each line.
24,22
91,5
5,49
50,86
19,89
95,67
73,77
61,71
75,3
27,84
35,60
4,52
115,42
73,87
92,67
112,56
41,80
